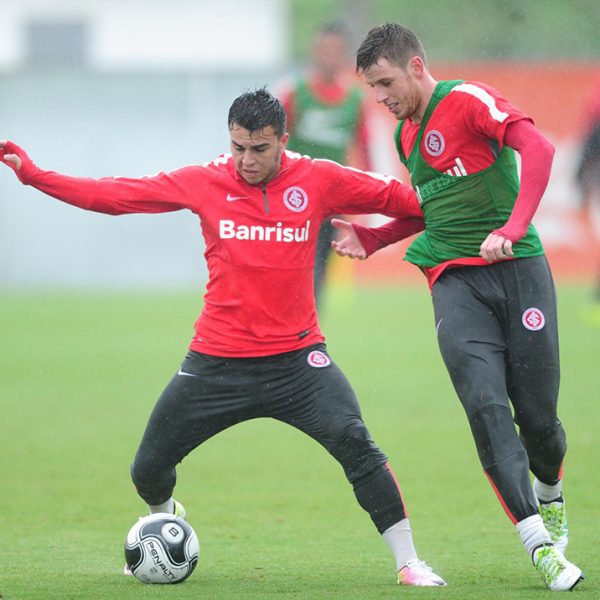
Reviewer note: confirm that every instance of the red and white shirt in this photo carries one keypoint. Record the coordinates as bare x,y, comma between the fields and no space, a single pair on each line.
464,135
260,240
465,131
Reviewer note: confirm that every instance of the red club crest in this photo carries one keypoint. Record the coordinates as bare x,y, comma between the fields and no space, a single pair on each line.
434,142
295,198
533,319
318,359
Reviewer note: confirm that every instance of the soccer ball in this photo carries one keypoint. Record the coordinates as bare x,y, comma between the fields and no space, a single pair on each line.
161,548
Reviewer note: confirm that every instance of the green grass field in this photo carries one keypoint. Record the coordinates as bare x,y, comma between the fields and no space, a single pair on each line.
274,514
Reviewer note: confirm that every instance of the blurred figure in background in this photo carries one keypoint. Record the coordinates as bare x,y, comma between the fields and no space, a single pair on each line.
326,119
588,170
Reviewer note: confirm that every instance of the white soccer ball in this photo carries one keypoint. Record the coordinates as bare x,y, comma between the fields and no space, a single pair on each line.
162,548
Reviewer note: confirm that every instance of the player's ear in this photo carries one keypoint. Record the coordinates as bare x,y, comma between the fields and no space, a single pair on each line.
283,140
416,67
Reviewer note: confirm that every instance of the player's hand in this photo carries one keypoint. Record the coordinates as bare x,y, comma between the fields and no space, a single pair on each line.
496,247
9,156
350,245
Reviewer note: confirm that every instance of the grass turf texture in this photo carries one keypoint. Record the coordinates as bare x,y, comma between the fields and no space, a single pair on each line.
274,514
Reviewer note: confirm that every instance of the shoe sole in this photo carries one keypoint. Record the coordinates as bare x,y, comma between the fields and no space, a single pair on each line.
580,578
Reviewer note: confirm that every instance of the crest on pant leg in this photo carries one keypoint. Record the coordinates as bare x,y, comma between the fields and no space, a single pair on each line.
318,359
533,319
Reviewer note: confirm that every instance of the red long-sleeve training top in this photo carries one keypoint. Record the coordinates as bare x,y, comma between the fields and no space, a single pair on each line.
260,240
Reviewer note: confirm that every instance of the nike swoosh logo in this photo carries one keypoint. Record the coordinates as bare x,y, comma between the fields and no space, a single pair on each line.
231,198
184,374
437,327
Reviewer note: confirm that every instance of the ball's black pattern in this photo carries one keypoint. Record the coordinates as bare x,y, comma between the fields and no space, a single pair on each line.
162,548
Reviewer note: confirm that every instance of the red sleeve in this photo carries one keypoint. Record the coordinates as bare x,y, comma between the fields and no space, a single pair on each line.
287,98
488,112
351,191
110,195
536,163
362,140
375,238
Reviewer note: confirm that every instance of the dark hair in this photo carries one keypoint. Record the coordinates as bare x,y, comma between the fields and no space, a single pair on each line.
334,28
256,110
391,41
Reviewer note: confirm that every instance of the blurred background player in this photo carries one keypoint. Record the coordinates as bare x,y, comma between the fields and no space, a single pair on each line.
326,119
588,169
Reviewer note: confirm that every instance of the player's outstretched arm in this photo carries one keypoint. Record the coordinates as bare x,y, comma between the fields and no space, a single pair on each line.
360,241
164,192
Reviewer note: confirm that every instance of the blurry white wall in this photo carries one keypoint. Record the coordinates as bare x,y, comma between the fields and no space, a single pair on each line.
134,118
126,34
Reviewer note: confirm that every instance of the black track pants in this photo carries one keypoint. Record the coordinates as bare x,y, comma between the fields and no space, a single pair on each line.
210,394
497,332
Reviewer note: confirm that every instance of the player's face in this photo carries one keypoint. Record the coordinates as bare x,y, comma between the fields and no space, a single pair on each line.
396,88
257,154
330,55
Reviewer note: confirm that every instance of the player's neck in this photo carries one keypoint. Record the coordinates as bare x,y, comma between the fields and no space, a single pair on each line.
428,86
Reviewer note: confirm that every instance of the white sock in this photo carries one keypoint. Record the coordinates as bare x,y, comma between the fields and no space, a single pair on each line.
545,492
165,507
400,541
533,533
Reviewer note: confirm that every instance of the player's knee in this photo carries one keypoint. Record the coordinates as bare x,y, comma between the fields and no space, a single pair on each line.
357,452
494,433
540,428
547,439
142,473
152,484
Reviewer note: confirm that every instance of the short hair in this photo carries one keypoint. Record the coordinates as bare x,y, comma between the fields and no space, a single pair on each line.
391,41
334,28
256,110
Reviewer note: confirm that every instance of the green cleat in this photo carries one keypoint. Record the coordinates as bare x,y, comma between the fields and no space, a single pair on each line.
179,510
558,573
554,515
